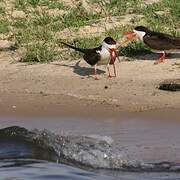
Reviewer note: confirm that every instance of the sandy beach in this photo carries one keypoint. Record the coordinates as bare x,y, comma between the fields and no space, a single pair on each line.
68,87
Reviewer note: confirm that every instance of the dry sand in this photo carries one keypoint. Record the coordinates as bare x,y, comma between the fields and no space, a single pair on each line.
67,87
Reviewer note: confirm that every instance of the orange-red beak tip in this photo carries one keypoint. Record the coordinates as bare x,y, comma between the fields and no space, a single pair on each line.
127,37
128,33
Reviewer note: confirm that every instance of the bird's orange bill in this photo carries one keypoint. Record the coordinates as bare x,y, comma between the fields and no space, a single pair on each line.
128,36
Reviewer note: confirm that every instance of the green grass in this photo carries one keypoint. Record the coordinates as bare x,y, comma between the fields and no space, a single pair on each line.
133,49
119,7
78,17
36,27
4,26
37,19
169,21
21,4
51,4
37,32
2,11
36,35
39,28
89,42
40,52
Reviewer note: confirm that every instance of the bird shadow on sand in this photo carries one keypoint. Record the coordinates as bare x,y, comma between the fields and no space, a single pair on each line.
82,71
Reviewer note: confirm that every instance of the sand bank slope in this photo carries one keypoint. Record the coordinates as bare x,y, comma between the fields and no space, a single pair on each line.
134,89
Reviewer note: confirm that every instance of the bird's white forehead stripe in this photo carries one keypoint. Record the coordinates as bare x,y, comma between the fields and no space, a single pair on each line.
108,46
140,34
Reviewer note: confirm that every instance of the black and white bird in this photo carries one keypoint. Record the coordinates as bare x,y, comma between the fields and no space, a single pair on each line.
158,42
105,54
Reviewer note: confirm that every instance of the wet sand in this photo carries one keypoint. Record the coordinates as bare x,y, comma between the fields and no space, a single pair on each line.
40,105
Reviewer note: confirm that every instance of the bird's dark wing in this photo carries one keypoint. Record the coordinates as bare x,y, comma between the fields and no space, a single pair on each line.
160,41
92,57
176,42
98,48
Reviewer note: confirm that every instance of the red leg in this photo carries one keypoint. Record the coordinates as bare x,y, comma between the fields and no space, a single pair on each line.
117,56
161,59
114,70
109,75
95,76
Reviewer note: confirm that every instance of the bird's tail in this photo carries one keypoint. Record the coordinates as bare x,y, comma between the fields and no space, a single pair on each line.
75,48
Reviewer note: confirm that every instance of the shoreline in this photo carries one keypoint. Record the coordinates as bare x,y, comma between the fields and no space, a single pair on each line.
54,106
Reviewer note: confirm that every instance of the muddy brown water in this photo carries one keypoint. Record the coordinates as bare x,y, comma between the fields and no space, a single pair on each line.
148,137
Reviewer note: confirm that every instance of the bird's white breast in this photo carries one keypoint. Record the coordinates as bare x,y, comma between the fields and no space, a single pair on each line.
105,56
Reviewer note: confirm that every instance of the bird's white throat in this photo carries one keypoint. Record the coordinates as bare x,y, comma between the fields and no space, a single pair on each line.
140,34
104,52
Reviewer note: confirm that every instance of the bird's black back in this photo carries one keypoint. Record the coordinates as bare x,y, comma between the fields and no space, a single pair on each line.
161,41
91,56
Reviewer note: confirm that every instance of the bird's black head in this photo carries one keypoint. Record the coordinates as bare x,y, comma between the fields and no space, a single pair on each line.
110,41
142,29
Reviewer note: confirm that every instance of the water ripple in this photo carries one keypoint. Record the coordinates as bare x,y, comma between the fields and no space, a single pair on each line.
80,151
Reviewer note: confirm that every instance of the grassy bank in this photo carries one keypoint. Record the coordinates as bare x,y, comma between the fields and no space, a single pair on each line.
38,25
